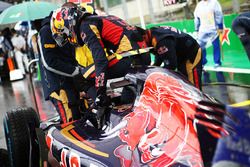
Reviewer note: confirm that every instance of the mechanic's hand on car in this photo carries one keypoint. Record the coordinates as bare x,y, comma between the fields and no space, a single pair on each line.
80,83
99,108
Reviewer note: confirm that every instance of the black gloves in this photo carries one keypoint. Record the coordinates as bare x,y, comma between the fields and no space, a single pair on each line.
102,100
101,105
80,83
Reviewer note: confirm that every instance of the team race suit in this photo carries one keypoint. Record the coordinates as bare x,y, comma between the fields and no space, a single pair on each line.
58,66
177,49
241,26
116,36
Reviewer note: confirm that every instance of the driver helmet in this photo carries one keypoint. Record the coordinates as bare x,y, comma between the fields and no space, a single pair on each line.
62,24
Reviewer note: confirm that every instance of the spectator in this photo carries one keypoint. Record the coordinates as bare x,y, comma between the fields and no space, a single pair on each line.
241,26
34,45
19,44
2,59
6,43
208,18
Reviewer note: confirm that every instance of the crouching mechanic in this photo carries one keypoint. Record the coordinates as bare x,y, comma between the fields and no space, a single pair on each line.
58,67
241,26
176,49
98,32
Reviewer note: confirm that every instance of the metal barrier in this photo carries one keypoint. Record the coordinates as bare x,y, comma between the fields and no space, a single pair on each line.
31,63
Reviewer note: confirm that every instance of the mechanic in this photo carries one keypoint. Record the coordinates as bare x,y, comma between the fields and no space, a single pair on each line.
98,32
58,67
241,26
175,49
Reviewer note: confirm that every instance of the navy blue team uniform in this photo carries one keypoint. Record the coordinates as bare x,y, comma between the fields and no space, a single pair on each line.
177,50
58,66
101,34
241,26
116,36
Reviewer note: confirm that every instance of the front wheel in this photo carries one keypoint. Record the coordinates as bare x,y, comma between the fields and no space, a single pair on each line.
19,127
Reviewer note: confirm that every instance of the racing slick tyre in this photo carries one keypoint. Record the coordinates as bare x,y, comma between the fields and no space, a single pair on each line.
31,117
4,159
19,127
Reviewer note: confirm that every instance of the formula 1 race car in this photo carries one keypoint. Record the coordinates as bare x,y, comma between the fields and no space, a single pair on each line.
157,129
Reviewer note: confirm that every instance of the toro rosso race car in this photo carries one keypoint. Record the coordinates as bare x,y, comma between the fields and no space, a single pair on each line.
157,129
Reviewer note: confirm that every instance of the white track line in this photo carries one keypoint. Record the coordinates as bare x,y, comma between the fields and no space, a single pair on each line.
227,69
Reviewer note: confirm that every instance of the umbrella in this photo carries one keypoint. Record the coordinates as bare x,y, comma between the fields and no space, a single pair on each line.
4,5
26,11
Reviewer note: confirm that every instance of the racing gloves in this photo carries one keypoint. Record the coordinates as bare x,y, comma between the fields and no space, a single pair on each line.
101,105
102,101
81,83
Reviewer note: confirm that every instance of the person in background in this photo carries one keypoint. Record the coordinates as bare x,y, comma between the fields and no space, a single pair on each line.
19,44
6,43
208,20
4,72
34,45
176,50
30,41
241,27
58,67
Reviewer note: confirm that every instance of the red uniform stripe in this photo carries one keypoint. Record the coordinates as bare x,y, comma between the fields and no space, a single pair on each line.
92,75
113,62
196,78
66,124
62,111
111,32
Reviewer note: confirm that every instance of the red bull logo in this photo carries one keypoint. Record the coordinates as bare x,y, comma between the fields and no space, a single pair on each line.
159,129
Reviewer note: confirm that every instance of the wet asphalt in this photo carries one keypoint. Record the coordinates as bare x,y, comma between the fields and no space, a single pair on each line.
19,94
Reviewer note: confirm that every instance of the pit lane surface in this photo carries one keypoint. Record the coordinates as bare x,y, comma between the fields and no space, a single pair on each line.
19,94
